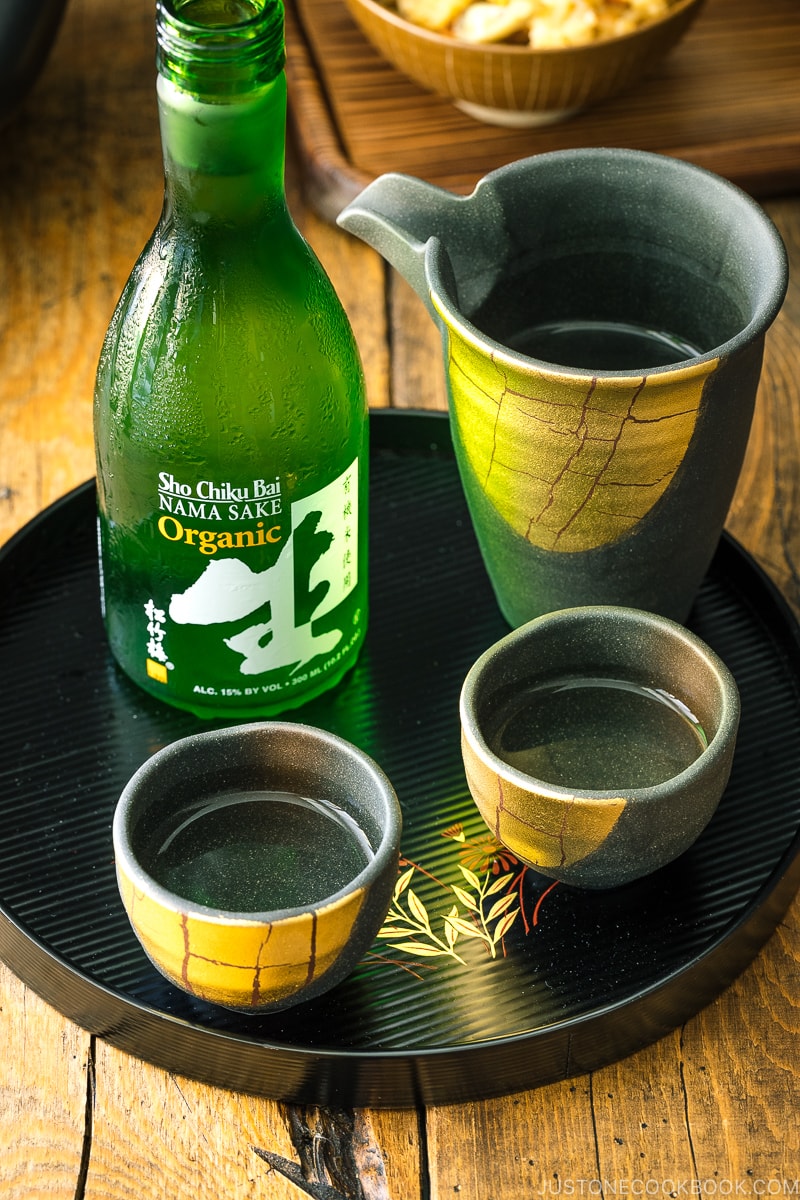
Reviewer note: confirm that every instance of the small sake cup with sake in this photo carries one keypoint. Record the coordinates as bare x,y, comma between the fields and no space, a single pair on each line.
256,862
598,742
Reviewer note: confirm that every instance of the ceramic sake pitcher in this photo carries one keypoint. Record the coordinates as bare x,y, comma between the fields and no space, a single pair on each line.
603,314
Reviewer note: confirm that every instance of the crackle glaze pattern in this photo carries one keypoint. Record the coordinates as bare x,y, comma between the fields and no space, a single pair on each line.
570,463
545,832
245,963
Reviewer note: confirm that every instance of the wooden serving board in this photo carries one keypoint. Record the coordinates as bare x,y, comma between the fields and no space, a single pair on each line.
726,98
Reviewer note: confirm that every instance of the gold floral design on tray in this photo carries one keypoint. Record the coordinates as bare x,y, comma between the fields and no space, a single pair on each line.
481,908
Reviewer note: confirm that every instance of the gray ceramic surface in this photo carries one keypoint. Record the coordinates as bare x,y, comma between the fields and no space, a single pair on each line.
586,484
603,836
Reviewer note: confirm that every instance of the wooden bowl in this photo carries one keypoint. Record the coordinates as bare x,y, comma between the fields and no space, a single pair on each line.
515,85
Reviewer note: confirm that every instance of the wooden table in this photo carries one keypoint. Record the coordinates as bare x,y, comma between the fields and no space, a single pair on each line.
711,1109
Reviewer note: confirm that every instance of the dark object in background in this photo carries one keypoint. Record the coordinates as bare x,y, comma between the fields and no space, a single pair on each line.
27,31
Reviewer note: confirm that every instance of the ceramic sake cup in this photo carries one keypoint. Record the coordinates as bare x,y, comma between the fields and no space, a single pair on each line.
256,961
651,698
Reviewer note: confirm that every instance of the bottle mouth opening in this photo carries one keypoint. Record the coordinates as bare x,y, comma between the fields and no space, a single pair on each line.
219,47
216,14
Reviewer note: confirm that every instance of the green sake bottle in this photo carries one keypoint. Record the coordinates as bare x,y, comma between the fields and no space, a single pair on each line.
230,411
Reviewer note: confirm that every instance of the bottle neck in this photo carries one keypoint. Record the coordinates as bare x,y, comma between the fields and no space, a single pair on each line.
224,160
222,109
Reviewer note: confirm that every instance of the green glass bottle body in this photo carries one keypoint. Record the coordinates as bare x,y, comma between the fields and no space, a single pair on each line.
230,411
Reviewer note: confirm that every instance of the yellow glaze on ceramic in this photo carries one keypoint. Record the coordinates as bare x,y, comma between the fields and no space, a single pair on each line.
542,831
571,463
242,964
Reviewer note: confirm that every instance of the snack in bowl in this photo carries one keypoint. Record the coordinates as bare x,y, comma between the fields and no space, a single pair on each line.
543,24
524,62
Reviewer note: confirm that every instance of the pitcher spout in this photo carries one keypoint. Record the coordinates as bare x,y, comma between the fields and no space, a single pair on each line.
436,240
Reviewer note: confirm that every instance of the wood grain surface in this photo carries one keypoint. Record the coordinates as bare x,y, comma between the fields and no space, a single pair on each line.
709,1110
727,98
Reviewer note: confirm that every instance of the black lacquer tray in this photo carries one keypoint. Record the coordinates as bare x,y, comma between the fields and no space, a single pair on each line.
574,982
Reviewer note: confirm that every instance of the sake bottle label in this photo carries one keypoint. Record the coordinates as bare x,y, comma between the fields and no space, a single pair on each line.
267,577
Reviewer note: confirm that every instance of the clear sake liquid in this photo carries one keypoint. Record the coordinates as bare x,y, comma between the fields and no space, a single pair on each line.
594,734
258,851
602,345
